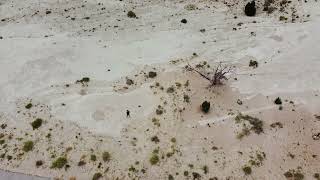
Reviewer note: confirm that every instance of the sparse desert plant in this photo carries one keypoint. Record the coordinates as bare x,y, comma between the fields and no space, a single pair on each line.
36,123
154,159
216,77
28,106
93,157
205,106
59,163
131,14
27,146
247,170
96,176
106,156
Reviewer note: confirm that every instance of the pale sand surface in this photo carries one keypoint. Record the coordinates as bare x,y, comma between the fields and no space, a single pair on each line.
42,55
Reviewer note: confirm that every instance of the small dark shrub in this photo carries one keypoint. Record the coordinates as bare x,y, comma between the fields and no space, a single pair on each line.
247,170
97,176
154,159
106,156
152,74
250,9
59,163
36,123
131,14
93,157
39,163
28,106
253,64
184,21
205,106
278,101
27,146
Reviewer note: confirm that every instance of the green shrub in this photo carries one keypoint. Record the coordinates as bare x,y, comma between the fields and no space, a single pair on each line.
154,159
93,157
205,106
96,176
28,146
59,163
36,123
28,106
106,156
247,170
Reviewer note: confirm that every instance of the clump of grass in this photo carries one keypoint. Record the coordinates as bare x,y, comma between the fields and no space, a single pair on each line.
293,174
28,106
205,106
253,64
256,124
2,141
59,163
36,123
247,170
131,14
152,74
170,89
278,101
186,98
155,139
159,110
39,163
205,169
154,159
97,176
93,157
156,122
28,146
106,156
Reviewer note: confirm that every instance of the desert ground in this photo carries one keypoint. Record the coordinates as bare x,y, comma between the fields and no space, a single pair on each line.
112,89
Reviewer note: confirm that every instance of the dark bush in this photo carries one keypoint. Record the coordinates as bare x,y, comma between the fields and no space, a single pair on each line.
152,74
278,101
36,123
205,106
250,9
131,14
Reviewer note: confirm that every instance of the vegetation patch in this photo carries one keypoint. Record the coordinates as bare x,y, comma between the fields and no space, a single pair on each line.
106,156
131,14
28,106
27,146
247,170
255,124
36,123
205,106
97,176
152,74
59,163
294,174
154,159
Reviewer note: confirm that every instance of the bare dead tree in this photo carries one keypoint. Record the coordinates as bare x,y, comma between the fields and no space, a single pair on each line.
217,76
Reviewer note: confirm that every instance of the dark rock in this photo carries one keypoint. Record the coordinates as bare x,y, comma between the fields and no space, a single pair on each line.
250,9
205,106
184,21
